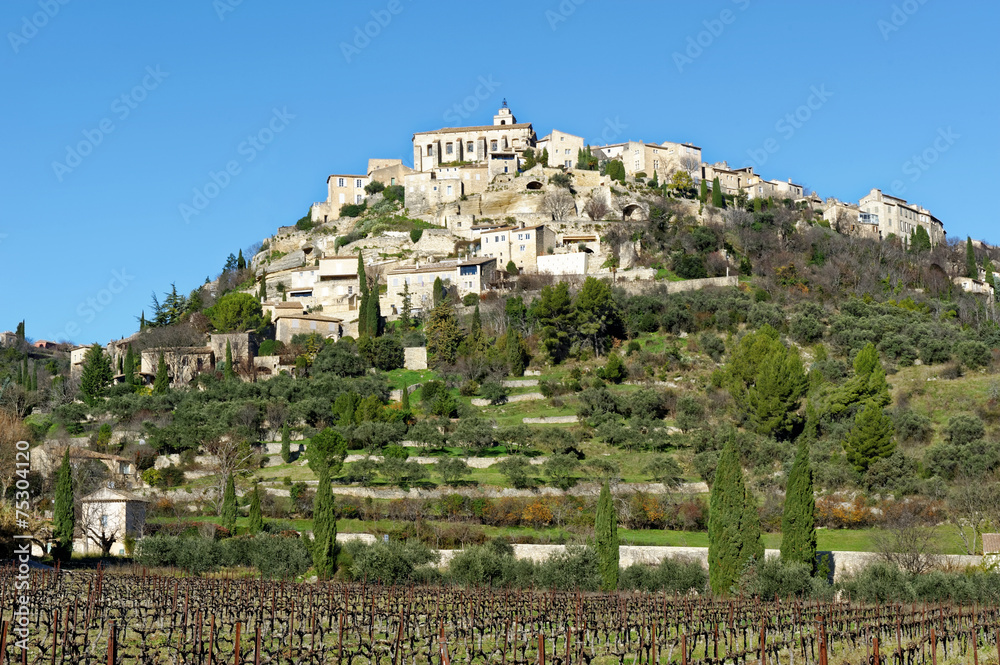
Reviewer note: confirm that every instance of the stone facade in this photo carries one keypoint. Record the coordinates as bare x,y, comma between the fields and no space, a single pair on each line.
472,144
563,149
287,326
897,217
183,363
242,345
473,275
522,245
660,158
415,357
109,513
574,263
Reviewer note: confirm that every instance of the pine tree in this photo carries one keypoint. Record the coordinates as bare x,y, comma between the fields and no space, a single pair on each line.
404,398
256,517
324,528
96,375
229,373
286,445
128,368
406,311
62,511
971,267
228,513
606,535
718,200
870,439
798,523
734,538
161,384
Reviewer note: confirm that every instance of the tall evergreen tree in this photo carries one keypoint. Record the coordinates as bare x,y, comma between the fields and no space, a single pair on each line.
64,519
798,522
476,328
324,546
718,200
870,439
406,311
34,377
404,398
971,267
438,291
703,191
241,263
128,368
256,516
363,317
96,375
228,513
734,538
230,374
286,444
262,292
517,352
988,269
161,384
606,535
443,334
19,331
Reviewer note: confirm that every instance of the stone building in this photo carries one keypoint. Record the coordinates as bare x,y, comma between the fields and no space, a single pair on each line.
473,275
107,516
732,181
847,218
389,172
47,457
522,245
444,184
287,326
475,145
563,148
660,158
897,217
183,363
976,286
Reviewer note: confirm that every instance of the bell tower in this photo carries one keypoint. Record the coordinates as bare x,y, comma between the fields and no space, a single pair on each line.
504,116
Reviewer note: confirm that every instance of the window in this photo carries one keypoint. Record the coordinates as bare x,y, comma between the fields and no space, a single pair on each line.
340,182
567,151
635,152
449,190
430,151
522,248
392,181
470,147
562,138
520,236
493,145
568,163
312,325
656,164
477,176
358,198
527,236
295,323
637,165
350,290
357,183
104,521
448,149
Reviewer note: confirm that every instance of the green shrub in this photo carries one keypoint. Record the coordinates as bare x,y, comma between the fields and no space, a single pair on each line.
495,392
270,347
572,570
353,209
374,187
394,193
393,562
974,354
415,235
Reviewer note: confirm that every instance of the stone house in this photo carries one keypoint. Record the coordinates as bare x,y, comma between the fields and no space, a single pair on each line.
732,181
444,184
48,456
7,338
847,218
900,218
287,326
243,346
338,287
183,363
563,148
522,245
475,144
275,308
109,515
975,286
660,158
389,172
420,279
76,357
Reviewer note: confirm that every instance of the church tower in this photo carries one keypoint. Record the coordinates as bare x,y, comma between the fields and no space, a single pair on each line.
504,116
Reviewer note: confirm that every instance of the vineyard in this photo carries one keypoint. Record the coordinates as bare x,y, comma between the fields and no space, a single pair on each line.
136,617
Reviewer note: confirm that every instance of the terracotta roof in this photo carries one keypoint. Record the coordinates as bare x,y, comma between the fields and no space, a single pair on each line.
284,305
308,317
475,128
991,543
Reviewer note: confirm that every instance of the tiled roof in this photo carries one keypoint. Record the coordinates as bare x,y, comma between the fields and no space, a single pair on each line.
991,543
476,128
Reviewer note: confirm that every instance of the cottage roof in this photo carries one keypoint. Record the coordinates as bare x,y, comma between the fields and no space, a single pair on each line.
106,494
991,543
57,452
477,261
344,175
304,269
307,317
475,128
284,305
430,267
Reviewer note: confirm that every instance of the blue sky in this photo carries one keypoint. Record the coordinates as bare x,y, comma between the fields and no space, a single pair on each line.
119,113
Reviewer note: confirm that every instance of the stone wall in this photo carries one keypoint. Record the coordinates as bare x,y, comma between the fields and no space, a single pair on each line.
415,357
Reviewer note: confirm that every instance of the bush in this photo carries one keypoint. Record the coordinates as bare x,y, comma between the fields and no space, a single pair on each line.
384,353
374,187
575,569
516,469
495,392
879,583
672,576
773,577
492,564
390,562
712,345
353,209
270,347
974,354
394,193
912,426
415,235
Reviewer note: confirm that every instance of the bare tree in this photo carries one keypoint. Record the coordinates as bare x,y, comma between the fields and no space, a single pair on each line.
100,525
276,413
559,204
12,430
597,208
690,164
905,542
972,505
230,455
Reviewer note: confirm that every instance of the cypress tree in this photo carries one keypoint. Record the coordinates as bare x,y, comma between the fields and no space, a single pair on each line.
363,317
476,329
870,438
606,532
62,511
128,368
798,523
516,360
404,398
438,291
286,445
324,528
229,373
256,517
228,513
971,267
34,377
262,293
241,263
717,199
734,538
162,382
703,191
373,315
405,313
96,375
25,376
